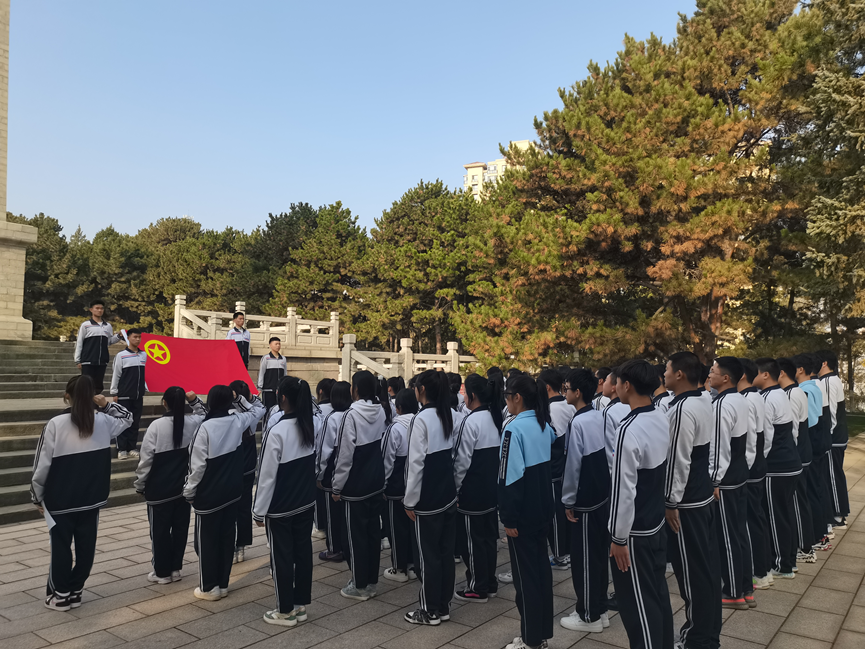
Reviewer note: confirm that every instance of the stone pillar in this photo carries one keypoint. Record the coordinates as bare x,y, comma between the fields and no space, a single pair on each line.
407,358
348,343
291,327
179,303
334,329
14,237
213,324
454,354
240,306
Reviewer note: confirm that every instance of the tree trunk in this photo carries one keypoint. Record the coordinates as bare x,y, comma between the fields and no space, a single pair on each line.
788,321
438,330
851,370
712,318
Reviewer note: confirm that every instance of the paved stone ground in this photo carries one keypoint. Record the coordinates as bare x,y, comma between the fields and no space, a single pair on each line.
825,604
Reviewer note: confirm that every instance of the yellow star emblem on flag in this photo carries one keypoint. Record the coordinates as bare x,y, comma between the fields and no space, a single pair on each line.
157,351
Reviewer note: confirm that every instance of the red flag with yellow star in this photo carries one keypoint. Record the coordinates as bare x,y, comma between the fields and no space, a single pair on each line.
195,365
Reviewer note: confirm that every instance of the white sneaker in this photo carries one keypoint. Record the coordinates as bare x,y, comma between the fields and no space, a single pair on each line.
761,583
385,544
133,453
158,580
352,592
281,619
519,644
56,603
506,578
318,534
392,574
458,560
669,569
412,575
122,455
176,576
782,575
605,620
574,623
806,557
210,595
223,593
239,554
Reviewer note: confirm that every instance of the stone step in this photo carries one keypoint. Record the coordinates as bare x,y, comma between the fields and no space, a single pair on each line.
27,512
40,344
26,378
40,386
39,412
20,494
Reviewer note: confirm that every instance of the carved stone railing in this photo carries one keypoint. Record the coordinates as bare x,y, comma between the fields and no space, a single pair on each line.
404,363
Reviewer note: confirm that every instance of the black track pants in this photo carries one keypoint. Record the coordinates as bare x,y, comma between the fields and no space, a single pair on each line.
590,549
557,536
169,531
435,535
818,494
362,539
477,545
80,527
802,511
533,580
401,554
214,544
291,559
840,499
128,439
733,540
97,374
757,533
244,513
780,510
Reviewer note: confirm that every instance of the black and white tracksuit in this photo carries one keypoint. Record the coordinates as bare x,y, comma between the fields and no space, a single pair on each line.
214,486
430,492
818,472
728,469
241,337
662,401
586,491
476,470
802,504
71,480
395,451
688,489
838,417
358,478
561,413
782,474
270,372
129,385
160,476
637,521
321,497
91,350
613,413
285,500
243,536
755,454
330,513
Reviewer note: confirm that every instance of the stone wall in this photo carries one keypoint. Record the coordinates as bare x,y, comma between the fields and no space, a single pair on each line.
311,370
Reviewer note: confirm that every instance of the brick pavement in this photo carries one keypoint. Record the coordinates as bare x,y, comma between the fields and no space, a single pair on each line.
823,607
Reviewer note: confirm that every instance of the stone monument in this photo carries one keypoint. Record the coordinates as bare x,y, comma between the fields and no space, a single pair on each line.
14,237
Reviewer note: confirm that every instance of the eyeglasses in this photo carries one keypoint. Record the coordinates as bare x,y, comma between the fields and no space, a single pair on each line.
509,394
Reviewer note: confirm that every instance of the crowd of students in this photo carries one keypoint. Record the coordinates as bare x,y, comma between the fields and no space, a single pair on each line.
732,473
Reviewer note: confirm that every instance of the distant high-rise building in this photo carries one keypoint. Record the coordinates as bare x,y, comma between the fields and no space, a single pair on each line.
479,173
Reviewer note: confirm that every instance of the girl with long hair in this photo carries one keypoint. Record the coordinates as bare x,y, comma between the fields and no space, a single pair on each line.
332,516
71,480
159,478
322,400
243,535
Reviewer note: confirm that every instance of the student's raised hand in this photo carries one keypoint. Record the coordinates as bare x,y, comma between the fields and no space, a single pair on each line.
100,400
571,515
512,532
621,555
190,396
673,519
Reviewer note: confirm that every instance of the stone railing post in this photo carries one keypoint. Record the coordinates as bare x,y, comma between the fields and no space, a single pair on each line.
348,344
291,327
407,357
334,329
213,321
240,306
179,303
454,360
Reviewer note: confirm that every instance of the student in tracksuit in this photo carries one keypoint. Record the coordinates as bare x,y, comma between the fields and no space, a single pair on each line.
758,445
358,481
690,503
214,485
828,374
783,469
661,397
271,370
322,409
639,541
128,386
160,476
243,537
240,336
801,505
601,399
395,449
613,413
91,346
524,508
431,498
71,479
331,513
586,498
728,469
476,470
285,500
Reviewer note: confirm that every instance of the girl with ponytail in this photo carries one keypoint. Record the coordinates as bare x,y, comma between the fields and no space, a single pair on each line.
285,500
525,506
476,468
71,479
243,535
431,497
331,514
159,478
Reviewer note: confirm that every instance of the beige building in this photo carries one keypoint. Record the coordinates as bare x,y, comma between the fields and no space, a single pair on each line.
480,173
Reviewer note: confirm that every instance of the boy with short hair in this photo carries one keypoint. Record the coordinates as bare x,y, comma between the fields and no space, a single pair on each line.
599,400
240,336
91,346
828,373
661,397
612,414
128,386
271,371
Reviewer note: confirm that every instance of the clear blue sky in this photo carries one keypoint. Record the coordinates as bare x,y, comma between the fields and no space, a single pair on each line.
124,112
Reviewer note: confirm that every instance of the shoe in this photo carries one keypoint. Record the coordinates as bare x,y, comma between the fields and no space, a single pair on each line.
669,569
560,563
336,557
411,573
239,554
612,603
392,574
385,544
761,583
574,623
770,578
318,534
281,619
176,576
519,644
56,603
133,453
470,596
795,568
300,612
210,595
822,544
158,580
122,455
736,604
421,616
444,617
372,590
458,559
749,599
783,575
605,620
75,600
350,592
840,525
505,577
806,557
830,535
223,593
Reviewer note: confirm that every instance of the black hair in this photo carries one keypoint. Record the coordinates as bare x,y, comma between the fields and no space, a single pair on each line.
584,382
641,375
749,369
602,373
534,394
396,384
827,356
237,313
437,391
805,362
660,368
406,401
241,387
219,400
552,378
298,395
366,386
490,393
272,338
175,402
80,390
770,365
613,375
98,301
323,388
455,382
384,399
704,373
494,370
134,330
514,372
688,364
732,367
411,382
787,366
340,396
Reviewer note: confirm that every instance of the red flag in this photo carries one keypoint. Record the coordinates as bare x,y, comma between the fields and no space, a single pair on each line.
195,365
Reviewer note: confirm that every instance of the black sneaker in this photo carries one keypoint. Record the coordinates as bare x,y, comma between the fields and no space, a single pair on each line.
75,599
470,596
421,616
